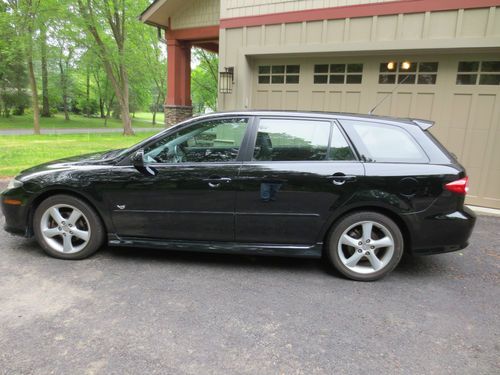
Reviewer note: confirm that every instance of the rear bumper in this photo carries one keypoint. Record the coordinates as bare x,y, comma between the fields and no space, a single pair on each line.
443,233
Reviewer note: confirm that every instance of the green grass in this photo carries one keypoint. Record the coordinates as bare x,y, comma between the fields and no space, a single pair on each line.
18,152
142,120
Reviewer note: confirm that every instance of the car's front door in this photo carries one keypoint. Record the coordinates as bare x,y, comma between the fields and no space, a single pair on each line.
192,195
301,171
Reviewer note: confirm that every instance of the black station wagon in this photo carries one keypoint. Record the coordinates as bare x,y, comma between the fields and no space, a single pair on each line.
358,190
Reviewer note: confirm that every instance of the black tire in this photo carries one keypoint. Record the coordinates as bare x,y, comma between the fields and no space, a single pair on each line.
95,228
347,222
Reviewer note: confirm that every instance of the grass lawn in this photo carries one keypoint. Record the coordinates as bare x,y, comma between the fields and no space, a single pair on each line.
142,120
18,152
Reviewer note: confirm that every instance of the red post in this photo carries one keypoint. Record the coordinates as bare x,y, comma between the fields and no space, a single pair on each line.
179,73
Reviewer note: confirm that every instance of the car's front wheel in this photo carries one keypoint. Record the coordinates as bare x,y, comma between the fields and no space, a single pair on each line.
365,246
67,228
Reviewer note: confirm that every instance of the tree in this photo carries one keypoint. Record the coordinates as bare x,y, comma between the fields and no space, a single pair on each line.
103,19
24,13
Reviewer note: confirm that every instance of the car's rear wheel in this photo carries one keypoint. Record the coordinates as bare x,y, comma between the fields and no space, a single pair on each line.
67,228
365,246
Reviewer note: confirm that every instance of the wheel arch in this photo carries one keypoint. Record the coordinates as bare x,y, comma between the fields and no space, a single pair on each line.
400,222
63,191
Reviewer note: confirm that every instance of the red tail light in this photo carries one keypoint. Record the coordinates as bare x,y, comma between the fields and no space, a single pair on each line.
459,186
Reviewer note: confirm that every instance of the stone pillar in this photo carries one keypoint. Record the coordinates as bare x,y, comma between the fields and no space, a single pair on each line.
178,102
176,113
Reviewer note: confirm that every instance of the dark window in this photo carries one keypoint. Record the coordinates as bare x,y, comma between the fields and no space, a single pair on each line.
290,139
338,73
386,143
278,74
478,72
209,141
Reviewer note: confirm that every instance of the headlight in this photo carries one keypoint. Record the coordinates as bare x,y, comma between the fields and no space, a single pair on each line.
14,184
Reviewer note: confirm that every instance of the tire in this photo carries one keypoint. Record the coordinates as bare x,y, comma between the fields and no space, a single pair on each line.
365,246
67,228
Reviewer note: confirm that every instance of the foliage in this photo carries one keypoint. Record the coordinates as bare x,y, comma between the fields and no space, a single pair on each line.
24,151
204,81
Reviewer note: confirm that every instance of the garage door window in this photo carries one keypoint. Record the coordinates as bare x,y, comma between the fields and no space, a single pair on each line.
478,72
279,74
405,72
385,143
338,73
300,140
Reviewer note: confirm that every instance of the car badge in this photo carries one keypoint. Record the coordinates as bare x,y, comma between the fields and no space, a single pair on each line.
121,206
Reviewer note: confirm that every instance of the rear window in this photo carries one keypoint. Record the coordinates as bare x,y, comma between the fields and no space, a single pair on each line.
386,143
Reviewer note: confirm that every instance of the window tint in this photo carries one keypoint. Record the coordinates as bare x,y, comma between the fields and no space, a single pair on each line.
209,141
289,140
386,143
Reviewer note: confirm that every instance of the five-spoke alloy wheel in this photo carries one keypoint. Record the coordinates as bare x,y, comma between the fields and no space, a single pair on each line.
67,228
365,246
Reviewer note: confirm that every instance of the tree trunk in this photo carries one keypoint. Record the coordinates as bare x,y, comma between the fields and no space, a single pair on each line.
34,90
64,89
101,107
155,108
45,75
87,97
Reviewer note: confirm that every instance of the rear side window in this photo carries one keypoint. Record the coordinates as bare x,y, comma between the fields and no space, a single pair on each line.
300,140
386,143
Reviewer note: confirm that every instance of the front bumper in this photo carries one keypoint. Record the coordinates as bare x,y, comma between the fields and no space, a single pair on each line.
443,233
16,216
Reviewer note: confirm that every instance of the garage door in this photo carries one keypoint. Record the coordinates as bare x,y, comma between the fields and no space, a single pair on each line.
461,93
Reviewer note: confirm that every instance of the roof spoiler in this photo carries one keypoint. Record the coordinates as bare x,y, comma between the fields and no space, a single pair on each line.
423,124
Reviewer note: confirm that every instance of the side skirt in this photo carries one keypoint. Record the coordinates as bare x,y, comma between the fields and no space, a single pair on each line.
301,251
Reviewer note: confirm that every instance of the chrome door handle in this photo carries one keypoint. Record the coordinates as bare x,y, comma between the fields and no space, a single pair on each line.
341,179
215,182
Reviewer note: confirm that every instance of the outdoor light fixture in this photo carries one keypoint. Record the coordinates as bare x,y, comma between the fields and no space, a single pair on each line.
391,65
226,80
405,65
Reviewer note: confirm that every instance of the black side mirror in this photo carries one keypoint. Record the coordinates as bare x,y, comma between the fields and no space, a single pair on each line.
137,160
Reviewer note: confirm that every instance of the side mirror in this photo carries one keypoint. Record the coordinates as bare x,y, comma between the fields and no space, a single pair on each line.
137,160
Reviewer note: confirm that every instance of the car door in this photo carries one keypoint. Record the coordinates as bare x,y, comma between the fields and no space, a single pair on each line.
191,195
299,172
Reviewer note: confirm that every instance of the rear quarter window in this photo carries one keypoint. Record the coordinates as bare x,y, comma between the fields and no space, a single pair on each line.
380,142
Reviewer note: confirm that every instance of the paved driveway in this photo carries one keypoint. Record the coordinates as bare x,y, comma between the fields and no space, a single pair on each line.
151,312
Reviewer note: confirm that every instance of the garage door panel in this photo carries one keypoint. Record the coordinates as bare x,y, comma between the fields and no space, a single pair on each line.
485,105
385,107
455,141
318,100
334,101
275,99
423,105
291,100
261,99
403,104
352,101
460,110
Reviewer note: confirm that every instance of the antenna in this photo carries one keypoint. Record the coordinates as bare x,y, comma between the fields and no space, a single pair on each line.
394,89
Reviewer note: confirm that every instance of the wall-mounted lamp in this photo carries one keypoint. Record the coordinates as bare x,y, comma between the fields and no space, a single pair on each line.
226,80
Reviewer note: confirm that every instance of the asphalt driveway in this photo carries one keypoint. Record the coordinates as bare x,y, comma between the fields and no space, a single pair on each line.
139,311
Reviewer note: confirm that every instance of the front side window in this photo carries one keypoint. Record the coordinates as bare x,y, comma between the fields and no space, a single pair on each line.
208,141
386,143
300,140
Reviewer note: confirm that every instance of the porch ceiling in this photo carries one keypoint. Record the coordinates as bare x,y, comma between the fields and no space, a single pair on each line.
158,13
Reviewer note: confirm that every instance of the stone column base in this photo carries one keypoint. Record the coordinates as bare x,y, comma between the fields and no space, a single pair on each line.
176,113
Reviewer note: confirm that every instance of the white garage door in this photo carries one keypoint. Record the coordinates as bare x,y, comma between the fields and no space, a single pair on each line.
461,93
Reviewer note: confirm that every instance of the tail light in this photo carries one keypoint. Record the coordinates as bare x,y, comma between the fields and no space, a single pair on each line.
459,186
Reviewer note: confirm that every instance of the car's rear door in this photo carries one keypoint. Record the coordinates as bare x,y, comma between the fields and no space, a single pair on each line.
299,171
192,195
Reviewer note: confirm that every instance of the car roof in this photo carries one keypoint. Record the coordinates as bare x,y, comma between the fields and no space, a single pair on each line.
424,124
